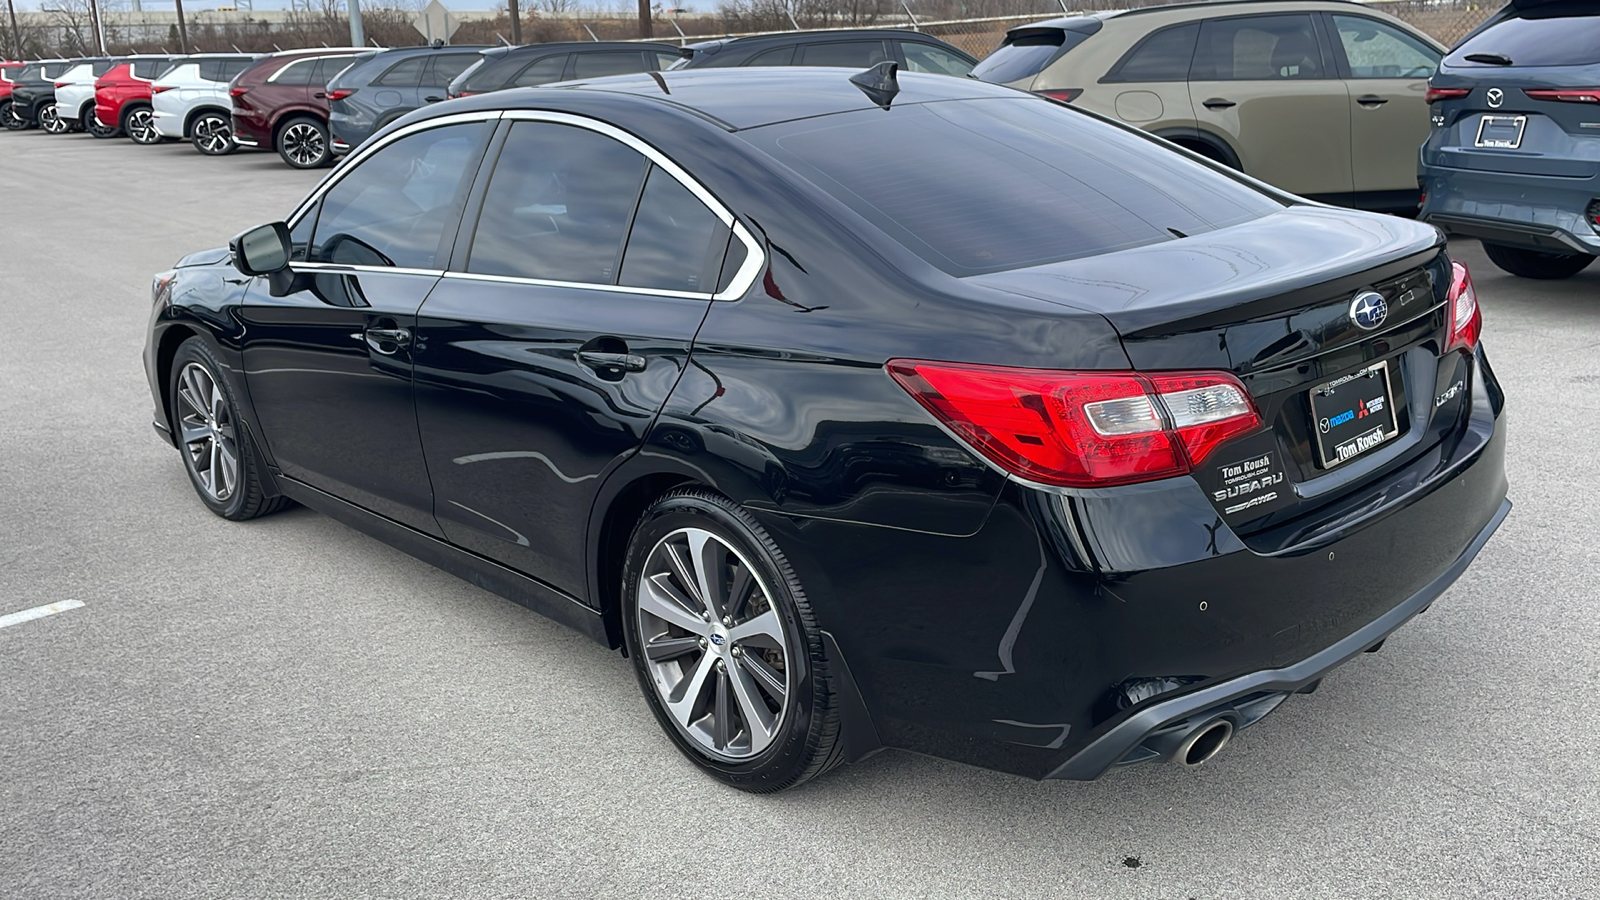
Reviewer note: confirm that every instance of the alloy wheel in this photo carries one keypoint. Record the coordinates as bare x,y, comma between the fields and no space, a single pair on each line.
304,145
715,646
209,434
213,135
9,118
142,127
50,119
91,124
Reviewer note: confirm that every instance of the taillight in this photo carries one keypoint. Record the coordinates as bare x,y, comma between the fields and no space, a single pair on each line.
1593,212
1065,95
1434,95
1083,429
1466,319
62,84
237,92
465,94
1567,95
161,88
340,94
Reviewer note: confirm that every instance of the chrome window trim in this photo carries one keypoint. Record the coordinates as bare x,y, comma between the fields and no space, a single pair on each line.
755,256
352,268
273,78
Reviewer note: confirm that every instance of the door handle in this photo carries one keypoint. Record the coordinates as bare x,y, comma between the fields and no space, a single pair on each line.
432,98
320,95
377,338
626,362
1218,103
1372,101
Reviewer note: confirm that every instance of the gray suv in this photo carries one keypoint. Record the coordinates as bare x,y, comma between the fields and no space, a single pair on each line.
380,87
1514,157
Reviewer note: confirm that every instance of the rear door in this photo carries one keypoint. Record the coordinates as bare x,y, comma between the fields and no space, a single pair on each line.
444,68
547,350
1263,84
1386,72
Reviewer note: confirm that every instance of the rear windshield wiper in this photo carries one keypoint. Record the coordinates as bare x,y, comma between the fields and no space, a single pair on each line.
1493,59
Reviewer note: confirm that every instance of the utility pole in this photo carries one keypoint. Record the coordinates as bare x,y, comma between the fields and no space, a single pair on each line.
100,28
516,21
644,20
16,33
358,35
183,32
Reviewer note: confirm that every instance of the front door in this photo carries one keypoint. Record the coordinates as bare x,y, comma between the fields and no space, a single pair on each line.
550,347
1262,82
328,363
1387,80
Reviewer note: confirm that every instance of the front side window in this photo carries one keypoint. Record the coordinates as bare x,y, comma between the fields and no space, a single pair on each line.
928,58
1379,50
1257,48
845,54
397,206
558,205
778,56
542,72
329,67
1163,56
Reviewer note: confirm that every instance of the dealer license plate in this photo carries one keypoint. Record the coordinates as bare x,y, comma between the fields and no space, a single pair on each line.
1501,132
1353,414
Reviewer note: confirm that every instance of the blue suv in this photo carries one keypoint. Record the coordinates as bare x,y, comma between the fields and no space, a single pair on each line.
380,87
1514,155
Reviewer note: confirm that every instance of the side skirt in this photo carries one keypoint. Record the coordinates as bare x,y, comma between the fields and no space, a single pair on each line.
489,575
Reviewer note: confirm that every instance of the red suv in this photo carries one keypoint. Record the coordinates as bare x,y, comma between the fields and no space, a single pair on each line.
7,69
122,97
282,102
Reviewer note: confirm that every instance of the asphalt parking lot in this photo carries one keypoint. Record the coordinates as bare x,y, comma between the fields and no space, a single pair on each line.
287,708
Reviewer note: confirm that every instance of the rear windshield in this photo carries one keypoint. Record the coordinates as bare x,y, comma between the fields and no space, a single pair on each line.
1555,34
1024,54
987,185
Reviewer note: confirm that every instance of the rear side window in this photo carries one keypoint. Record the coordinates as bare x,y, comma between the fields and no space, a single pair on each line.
778,56
676,242
233,68
1024,54
1555,34
53,71
558,205
406,73
610,62
397,206
844,54
297,72
542,72
211,70
667,60
928,58
148,69
448,66
104,66
1162,56
1257,48
981,186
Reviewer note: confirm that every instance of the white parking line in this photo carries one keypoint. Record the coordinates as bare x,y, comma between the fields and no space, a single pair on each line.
38,612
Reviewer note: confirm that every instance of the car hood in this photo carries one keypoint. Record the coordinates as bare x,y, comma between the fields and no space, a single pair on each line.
213,257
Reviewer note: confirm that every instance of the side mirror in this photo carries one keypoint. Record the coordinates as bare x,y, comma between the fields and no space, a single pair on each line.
262,250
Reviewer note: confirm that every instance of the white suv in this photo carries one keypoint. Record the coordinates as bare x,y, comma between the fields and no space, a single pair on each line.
191,100
75,97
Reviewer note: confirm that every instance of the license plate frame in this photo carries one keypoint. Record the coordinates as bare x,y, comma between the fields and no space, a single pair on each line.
1520,123
1339,408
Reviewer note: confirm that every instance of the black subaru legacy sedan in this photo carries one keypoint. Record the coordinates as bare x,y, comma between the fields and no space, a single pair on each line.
860,410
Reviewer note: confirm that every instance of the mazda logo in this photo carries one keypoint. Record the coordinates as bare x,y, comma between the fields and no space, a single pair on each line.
1368,310
1496,97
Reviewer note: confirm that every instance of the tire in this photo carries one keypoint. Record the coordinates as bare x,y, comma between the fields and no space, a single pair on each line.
303,143
50,120
140,125
722,674
9,118
205,420
93,126
1525,263
211,132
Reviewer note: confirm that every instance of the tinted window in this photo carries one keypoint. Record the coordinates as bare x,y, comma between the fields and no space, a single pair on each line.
1379,50
406,73
447,66
211,70
395,208
53,71
928,58
1163,56
778,56
985,185
1257,48
665,60
149,68
232,67
542,72
676,242
599,65
103,66
1025,54
847,55
558,205
329,68
1557,34
297,72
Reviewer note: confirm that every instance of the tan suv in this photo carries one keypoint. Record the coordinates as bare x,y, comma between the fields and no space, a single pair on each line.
1318,97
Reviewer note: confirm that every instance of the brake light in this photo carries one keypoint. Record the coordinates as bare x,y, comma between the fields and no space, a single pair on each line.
238,91
1065,95
465,94
1466,319
161,88
1434,95
1594,212
1568,95
340,94
1083,429
62,84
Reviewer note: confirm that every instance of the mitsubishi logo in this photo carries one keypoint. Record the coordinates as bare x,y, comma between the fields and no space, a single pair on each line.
1368,310
1496,97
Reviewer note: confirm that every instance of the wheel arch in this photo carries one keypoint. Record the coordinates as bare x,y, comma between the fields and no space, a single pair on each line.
171,339
1199,140
129,108
198,111
621,503
283,117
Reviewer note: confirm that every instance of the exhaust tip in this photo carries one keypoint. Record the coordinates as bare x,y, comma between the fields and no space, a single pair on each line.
1204,743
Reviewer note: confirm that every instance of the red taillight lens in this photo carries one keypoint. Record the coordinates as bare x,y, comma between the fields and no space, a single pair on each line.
238,91
1082,429
62,84
161,88
1434,95
465,94
340,94
1065,95
1466,319
1567,95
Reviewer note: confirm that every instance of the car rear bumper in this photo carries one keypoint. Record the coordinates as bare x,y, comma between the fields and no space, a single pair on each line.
1536,211
250,129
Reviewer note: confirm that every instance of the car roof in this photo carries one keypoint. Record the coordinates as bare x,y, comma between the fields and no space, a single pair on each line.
569,46
740,98
1228,7
806,37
